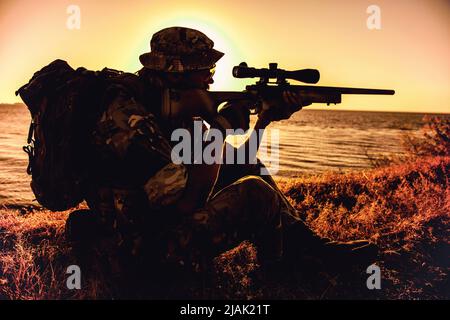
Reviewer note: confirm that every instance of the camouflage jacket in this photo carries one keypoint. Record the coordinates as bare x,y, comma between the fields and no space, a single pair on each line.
133,176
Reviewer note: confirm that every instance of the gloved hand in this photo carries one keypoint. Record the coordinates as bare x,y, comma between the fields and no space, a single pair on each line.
281,108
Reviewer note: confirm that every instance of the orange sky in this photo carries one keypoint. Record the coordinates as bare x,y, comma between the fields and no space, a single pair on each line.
409,54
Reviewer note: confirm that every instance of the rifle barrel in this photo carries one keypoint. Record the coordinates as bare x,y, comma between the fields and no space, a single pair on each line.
344,90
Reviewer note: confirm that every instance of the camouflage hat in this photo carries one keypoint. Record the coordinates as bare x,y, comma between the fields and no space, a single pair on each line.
179,49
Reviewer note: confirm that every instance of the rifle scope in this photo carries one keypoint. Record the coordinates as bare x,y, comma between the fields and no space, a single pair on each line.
304,75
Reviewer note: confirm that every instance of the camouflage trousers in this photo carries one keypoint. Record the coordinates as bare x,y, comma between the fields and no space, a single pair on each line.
244,206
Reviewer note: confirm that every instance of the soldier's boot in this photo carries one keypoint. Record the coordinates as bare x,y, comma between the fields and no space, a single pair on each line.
81,231
80,226
92,245
351,252
335,257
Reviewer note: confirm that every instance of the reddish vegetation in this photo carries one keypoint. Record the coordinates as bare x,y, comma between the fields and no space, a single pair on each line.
402,207
405,209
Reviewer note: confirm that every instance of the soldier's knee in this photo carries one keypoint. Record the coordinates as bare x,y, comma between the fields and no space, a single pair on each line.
254,187
253,183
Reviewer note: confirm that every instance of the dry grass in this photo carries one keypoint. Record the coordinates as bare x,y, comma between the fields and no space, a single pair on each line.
30,243
405,209
35,255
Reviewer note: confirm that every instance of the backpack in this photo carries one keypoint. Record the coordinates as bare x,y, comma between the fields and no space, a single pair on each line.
65,105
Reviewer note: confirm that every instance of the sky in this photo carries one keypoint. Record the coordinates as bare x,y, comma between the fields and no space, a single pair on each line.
409,50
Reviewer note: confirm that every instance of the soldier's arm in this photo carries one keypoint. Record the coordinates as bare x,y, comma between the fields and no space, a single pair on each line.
280,110
201,179
230,152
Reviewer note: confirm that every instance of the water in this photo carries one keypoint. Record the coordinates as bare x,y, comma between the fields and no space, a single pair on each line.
311,141
14,181
314,141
